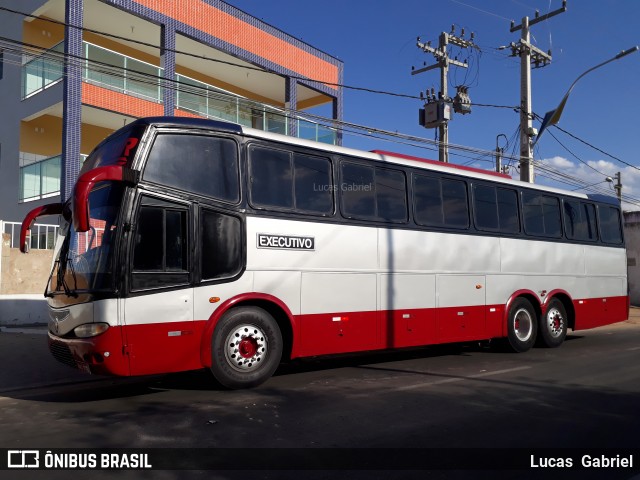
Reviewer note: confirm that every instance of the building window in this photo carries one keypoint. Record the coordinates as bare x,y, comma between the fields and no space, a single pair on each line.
39,176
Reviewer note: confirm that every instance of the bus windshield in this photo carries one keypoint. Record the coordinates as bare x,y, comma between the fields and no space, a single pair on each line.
84,263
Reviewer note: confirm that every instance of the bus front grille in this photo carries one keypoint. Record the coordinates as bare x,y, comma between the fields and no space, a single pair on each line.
62,353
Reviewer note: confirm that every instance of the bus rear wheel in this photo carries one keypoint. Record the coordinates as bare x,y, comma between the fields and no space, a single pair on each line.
246,348
553,324
522,325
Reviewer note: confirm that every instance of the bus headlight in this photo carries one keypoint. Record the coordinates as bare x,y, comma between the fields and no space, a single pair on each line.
90,329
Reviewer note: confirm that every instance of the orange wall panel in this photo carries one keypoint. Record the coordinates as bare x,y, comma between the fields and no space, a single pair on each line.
230,29
119,102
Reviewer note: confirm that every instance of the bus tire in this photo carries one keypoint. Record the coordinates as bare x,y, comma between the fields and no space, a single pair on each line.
246,348
553,324
522,325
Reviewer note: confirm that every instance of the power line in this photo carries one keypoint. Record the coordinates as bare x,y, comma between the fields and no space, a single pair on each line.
224,62
596,148
576,156
156,81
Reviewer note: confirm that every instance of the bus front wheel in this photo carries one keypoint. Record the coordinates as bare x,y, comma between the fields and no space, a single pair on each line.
246,347
522,325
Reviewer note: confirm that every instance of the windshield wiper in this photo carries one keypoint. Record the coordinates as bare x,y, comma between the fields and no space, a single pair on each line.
63,263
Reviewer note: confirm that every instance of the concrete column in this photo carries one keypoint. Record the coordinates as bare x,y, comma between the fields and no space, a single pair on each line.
71,98
291,105
168,63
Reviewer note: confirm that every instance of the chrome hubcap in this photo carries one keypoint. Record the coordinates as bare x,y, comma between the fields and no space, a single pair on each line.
523,325
246,348
555,322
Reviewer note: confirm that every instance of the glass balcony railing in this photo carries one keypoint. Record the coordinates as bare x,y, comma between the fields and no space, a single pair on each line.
134,77
211,102
40,176
42,71
122,73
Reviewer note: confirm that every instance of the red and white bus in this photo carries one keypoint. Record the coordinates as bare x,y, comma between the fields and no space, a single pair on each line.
193,244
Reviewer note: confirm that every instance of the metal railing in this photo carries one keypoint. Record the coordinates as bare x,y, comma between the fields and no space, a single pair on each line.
43,236
40,177
42,71
128,75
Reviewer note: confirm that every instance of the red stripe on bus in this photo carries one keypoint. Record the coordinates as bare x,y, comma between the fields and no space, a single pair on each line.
144,349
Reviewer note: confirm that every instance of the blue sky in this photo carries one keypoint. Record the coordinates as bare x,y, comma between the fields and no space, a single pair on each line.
376,40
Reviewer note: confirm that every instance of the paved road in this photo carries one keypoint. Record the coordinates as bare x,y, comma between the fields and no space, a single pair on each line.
584,394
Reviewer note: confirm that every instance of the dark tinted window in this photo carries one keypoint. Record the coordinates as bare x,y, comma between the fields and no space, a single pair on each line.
357,191
610,225
282,180
454,203
508,215
440,202
373,193
161,240
271,178
486,207
195,163
149,253
221,245
313,185
391,195
541,215
175,240
580,220
428,201
551,212
160,246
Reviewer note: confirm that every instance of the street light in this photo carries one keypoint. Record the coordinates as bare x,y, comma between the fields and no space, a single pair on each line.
584,187
553,116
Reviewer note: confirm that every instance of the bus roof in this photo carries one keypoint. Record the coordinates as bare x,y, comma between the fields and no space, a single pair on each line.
379,155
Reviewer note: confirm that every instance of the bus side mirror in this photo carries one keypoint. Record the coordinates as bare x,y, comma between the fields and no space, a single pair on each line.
29,220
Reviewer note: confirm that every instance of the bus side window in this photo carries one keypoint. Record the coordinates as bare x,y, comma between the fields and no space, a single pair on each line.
200,164
313,184
454,203
580,220
541,215
270,178
508,215
160,250
485,206
221,243
357,191
610,230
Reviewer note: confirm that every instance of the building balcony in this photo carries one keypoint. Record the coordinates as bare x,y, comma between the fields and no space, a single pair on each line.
40,176
114,71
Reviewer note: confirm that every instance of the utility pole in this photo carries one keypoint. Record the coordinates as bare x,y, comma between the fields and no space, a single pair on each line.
529,54
499,153
462,103
618,186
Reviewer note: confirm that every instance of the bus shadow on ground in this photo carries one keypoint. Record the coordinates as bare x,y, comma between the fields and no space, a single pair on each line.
202,380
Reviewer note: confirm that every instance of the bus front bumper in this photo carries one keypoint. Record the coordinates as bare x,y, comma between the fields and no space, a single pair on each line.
100,355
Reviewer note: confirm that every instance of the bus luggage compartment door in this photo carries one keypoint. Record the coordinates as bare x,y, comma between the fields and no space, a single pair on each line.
461,307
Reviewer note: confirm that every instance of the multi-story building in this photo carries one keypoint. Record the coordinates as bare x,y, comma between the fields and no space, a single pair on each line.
73,71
